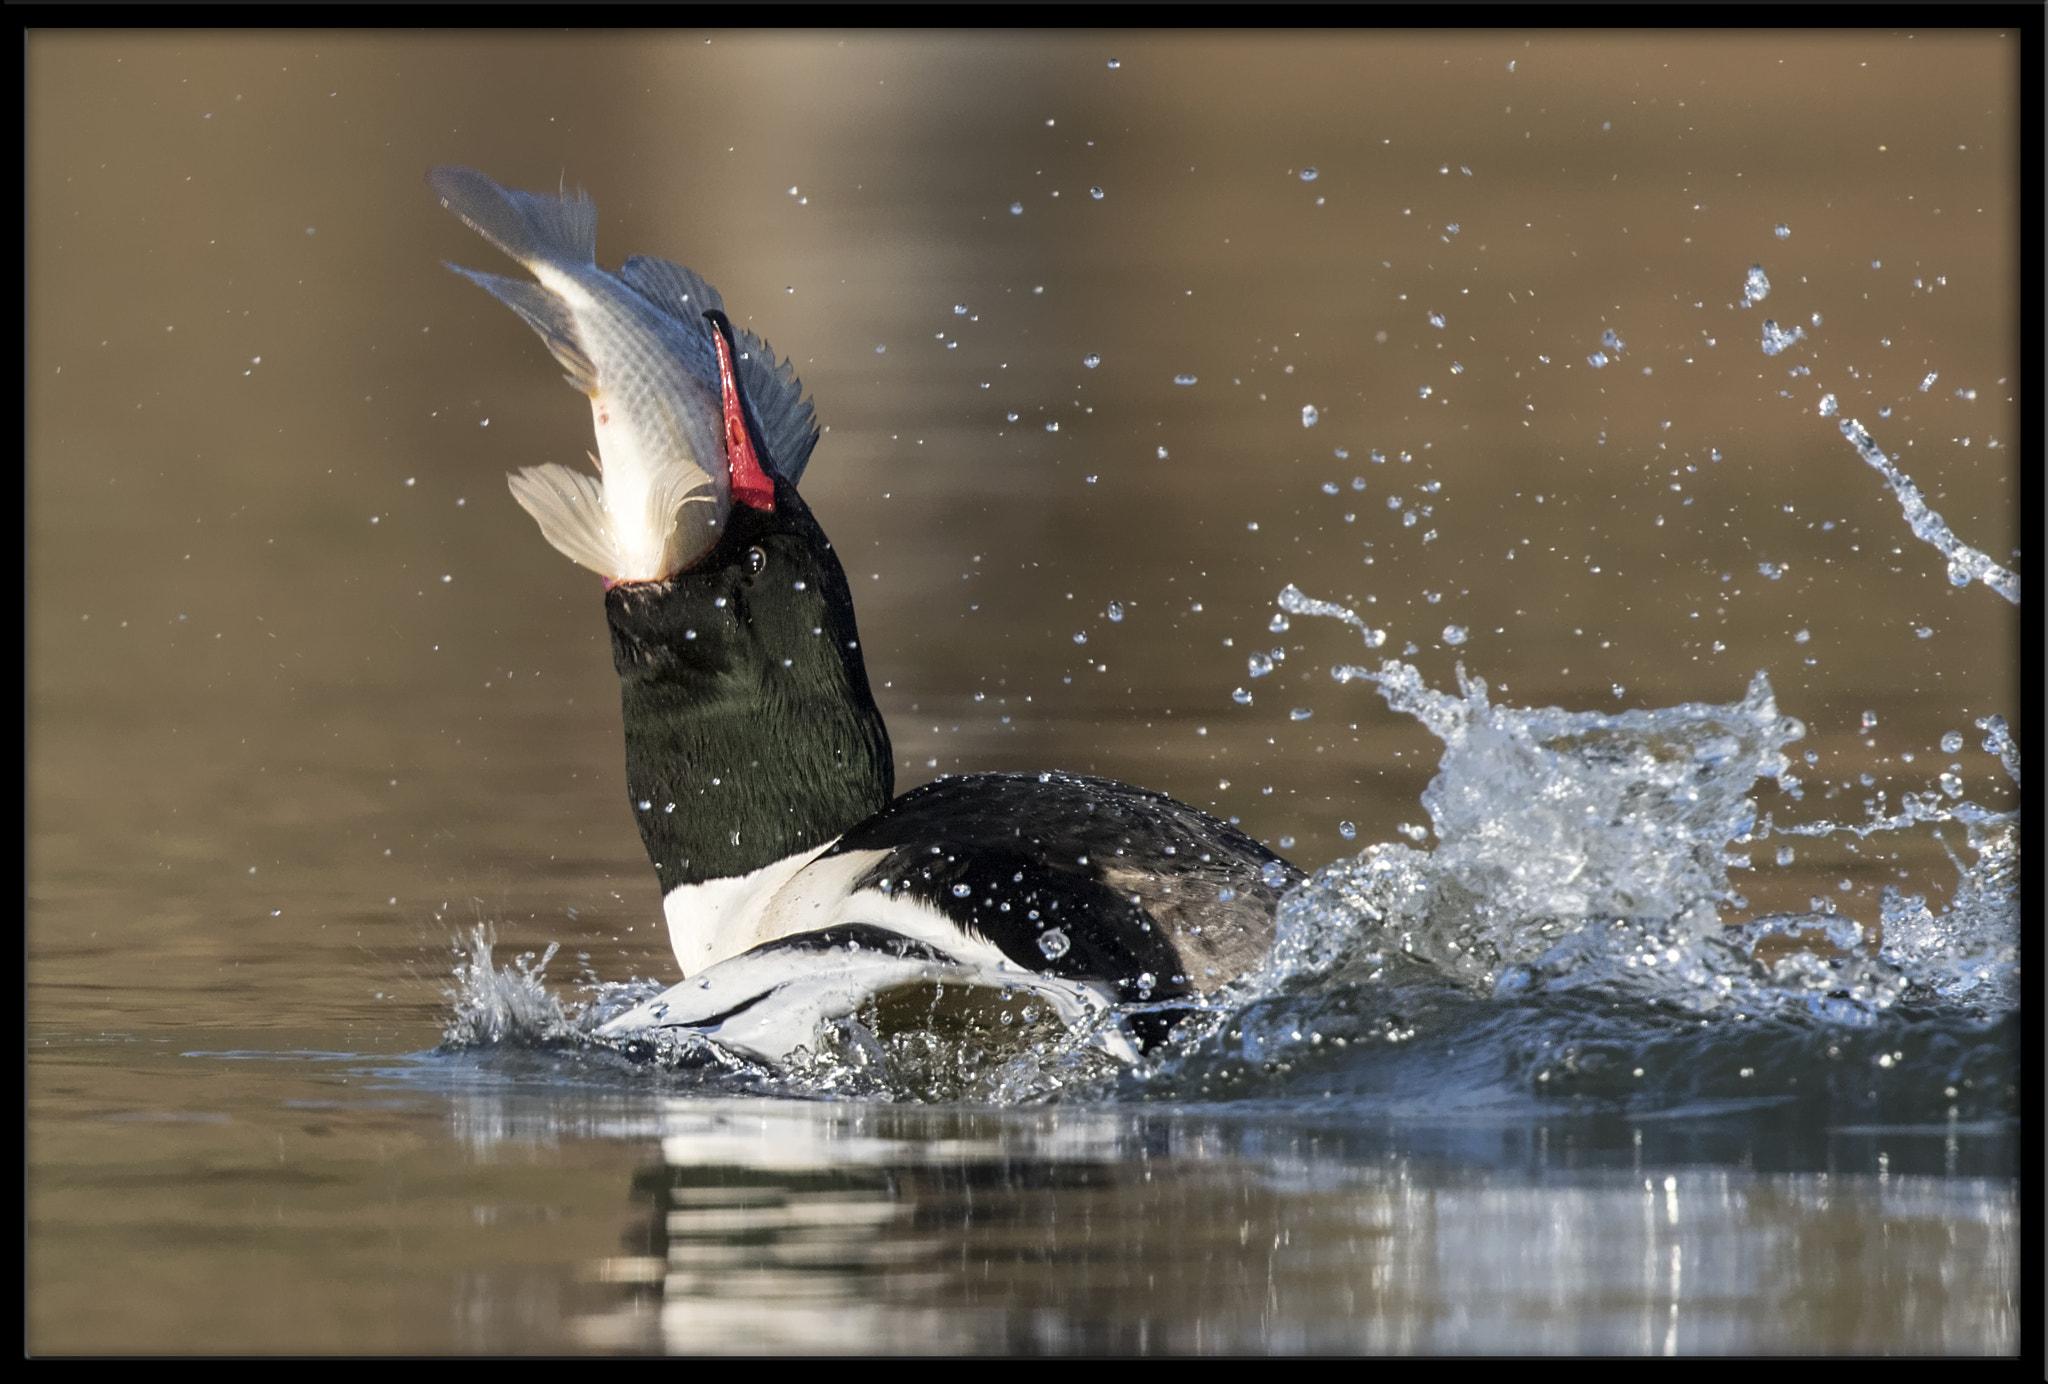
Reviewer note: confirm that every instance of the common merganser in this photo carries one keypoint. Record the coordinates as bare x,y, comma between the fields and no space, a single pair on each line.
796,886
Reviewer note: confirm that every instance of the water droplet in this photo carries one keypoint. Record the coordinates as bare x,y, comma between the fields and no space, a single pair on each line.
1928,383
1308,175
1801,636
1329,487
1454,634
1777,340
1260,665
1347,830
1598,360
1241,697
1116,611
1183,379
1827,406
1278,623
1755,286
1080,636
1012,417
1114,64
1309,416
1053,426
1782,231
1870,720
1786,855
1273,874
1096,193
1053,943
1091,360
961,891
1287,843
1952,742
1436,319
1952,785
1162,454
1300,713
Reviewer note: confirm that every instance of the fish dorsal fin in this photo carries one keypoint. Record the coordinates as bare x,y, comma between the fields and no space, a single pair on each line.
679,292
531,227
785,420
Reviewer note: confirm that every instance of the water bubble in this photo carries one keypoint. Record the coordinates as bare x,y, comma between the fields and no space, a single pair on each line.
1080,636
1308,175
1347,830
1096,193
1162,453
1782,231
1598,360
1183,379
1091,360
1436,319
1273,874
1053,943
1827,406
1952,785
1358,482
1016,208
1786,855
1756,287
1116,611
1114,64
1329,487
961,891
1241,697
1053,426
1612,341
1952,742
1278,623
1454,634
1012,417
1300,713
1801,636
1260,665
1309,415
1426,392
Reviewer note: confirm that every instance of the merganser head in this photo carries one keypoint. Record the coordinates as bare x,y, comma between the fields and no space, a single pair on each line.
751,732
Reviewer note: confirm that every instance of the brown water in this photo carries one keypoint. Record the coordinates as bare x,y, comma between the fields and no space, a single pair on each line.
307,692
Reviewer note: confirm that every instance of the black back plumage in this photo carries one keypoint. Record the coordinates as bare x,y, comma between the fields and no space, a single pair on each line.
1082,878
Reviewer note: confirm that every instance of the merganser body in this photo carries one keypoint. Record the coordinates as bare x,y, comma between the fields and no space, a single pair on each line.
796,886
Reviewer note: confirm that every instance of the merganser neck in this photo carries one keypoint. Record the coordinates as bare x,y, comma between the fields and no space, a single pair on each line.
751,733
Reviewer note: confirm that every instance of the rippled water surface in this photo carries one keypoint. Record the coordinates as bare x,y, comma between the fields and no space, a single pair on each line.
1561,492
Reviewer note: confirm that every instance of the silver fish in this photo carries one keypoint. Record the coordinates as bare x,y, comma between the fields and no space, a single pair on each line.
638,343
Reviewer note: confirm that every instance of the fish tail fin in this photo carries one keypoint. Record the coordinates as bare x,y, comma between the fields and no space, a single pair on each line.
547,314
531,227
569,507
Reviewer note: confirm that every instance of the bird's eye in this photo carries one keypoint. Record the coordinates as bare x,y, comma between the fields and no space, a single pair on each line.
757,561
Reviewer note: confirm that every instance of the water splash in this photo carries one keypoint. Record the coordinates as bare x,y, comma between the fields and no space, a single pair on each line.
1965,564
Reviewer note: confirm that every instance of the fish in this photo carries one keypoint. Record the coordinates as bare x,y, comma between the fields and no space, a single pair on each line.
669,396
